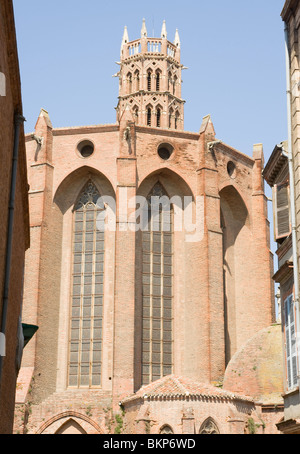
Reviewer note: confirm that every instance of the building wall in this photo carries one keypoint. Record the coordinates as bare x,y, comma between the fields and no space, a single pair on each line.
57,173
291,17
10,105
213,315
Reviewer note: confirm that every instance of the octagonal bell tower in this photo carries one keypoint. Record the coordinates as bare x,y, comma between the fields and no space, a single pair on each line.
150,80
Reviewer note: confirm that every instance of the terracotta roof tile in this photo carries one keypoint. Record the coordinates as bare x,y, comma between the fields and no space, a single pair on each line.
173,385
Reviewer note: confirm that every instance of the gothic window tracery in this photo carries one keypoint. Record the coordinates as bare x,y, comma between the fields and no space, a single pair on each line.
209,427
157,321
166,430
86,318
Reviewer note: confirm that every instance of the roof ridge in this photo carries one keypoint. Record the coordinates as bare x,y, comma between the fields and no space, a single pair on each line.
180,385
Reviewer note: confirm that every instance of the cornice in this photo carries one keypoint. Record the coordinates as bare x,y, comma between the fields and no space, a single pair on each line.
289,9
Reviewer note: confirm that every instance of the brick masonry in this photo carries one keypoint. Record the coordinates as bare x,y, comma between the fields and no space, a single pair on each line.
223,293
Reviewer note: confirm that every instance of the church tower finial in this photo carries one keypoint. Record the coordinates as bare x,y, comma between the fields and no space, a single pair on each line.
144,33
177,39
125,39
164,31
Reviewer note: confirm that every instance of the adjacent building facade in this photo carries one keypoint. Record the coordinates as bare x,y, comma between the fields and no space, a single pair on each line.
148,323
14,224
282,173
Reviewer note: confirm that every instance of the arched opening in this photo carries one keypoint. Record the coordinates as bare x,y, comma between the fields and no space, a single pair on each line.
209,427
236,237
71,427
166,430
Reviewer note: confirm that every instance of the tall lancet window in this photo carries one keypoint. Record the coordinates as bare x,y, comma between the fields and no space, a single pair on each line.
157,337
85,353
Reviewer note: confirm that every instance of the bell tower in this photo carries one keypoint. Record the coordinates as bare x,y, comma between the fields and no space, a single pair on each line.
150,80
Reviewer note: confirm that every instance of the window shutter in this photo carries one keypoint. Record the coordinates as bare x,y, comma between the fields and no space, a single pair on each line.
281,211
290,343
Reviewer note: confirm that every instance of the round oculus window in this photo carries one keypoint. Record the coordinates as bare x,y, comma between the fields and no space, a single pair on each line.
165,151
86,148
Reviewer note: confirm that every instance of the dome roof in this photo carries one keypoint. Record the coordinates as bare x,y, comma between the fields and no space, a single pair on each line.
257,368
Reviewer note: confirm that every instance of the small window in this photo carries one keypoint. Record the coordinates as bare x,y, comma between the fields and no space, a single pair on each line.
86,148
281,211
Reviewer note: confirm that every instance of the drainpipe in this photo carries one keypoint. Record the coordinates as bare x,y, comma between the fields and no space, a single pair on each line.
289,155
18,121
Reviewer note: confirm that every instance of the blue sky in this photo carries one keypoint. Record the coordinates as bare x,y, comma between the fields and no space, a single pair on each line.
234,50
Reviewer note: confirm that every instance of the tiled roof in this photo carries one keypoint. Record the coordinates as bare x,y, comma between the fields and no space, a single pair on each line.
175,386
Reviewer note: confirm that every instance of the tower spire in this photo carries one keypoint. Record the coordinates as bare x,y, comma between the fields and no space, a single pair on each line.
144,33
177,39
125,39
164,30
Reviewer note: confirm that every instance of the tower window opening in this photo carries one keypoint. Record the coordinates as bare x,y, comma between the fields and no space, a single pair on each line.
137,81
157,81
169,81
176,120
170,118
136,114
149,81
174,85
149,116
158,118
130,82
